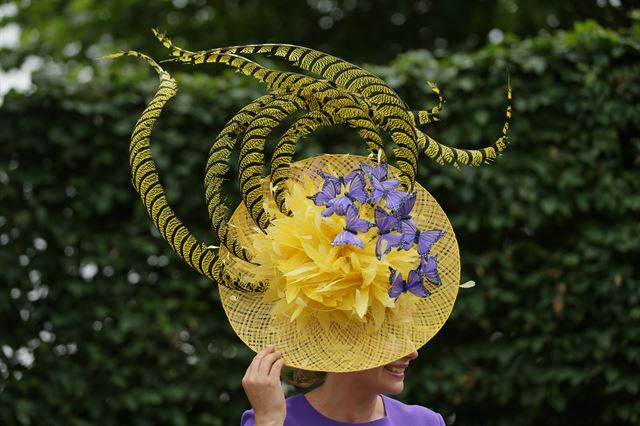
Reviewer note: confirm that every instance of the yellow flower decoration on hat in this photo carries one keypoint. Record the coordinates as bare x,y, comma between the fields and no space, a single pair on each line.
309,276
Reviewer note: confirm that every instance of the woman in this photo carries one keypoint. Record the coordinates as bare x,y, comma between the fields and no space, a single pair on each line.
343,262
343,398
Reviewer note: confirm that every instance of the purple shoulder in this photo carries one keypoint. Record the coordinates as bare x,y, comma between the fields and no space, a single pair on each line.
401,414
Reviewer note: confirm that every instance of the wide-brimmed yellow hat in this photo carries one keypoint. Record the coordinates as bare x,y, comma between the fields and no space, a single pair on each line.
343,262
328,307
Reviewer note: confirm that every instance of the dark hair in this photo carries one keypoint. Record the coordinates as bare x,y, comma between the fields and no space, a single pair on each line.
302,379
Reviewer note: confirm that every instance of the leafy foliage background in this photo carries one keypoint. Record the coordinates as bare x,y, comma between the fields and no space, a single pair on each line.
101,324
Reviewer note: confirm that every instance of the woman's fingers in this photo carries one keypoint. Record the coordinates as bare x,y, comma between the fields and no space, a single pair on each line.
263,363
255,363
276,369
266,363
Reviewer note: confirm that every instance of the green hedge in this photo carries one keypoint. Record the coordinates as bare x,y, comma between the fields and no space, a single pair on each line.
102,324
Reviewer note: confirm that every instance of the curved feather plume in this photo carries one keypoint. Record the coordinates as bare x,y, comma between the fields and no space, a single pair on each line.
422,118
274,79
146,182
218,166
252,154
468,157
283,154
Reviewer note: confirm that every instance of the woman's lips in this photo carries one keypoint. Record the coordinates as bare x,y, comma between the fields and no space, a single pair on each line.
396,370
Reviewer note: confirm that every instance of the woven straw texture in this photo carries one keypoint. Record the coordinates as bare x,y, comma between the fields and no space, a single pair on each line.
352,346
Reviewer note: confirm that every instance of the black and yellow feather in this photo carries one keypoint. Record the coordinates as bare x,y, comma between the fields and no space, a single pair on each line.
144,177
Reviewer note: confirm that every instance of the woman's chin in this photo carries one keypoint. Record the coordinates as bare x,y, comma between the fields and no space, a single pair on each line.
393,381
394,390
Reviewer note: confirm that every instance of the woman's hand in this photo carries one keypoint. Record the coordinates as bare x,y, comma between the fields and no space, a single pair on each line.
262,385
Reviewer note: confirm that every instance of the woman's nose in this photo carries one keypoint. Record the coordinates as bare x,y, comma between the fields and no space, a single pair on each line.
413,355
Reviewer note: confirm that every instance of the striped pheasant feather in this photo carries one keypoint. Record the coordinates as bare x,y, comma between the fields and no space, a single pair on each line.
197,254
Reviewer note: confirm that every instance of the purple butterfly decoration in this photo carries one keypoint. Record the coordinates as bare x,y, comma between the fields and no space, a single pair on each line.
403,212
354,225
386,224
341,195
340,181
379,171
428,269
424,239
327,194
413,284
354,190
386,190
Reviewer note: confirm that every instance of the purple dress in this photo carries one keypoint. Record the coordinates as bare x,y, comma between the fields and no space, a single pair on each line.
301,413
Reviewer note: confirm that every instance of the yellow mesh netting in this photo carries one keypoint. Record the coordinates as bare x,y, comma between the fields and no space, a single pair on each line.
342,340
